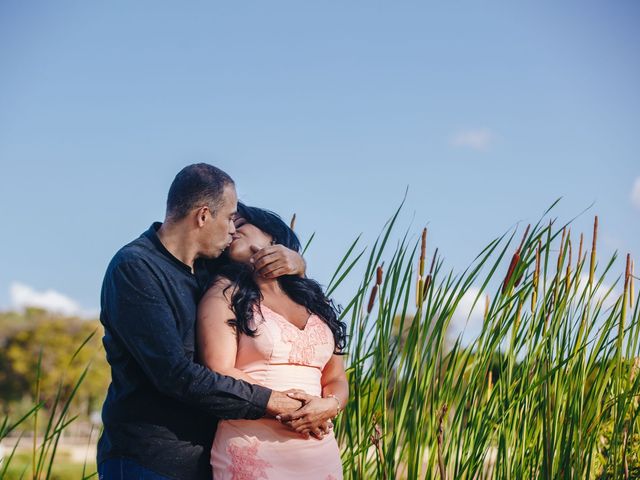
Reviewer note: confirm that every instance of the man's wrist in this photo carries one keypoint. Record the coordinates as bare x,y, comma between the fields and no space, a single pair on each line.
280,403
303,268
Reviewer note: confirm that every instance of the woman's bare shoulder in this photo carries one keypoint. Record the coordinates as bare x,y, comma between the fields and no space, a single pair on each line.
220,289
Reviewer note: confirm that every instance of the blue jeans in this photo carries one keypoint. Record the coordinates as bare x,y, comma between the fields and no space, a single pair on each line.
125,469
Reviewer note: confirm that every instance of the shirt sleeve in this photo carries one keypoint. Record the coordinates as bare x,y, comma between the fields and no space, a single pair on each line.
141,317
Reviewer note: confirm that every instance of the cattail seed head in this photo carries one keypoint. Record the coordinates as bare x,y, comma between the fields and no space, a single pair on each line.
486,307
427,283
580,250
524,237
561,252
536,278
512,266
514,263
625,293
423,251
379,275
372,298
568,273
592,263
627,272
631,290
292,225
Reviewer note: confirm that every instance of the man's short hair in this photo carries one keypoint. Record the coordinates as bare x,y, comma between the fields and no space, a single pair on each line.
196,185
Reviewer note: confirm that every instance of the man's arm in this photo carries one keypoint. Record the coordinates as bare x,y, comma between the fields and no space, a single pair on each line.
141,318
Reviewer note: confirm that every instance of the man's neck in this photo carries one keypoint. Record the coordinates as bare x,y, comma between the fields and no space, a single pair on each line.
178,243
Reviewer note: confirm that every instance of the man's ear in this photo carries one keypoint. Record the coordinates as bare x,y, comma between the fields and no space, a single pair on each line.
201,215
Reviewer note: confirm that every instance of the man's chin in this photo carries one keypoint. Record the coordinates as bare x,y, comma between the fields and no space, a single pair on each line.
216,253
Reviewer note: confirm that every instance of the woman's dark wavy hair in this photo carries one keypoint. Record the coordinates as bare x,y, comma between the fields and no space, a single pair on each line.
303,291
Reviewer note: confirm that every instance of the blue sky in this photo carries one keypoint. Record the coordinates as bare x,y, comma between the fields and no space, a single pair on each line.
486,112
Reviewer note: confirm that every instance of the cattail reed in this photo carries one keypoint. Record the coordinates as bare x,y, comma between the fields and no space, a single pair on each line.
292,225
486,307
516,323
441,466
568,272
423,250
376,441
374,290
631,292
592,263
428,280
579,263
580,250
372,298
514,262
561,252
625,294
555,375
536,278
512,267
524,237
423,253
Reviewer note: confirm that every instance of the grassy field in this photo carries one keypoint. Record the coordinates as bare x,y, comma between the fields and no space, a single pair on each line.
62,469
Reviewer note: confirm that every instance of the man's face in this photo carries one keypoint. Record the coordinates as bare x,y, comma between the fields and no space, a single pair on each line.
218,229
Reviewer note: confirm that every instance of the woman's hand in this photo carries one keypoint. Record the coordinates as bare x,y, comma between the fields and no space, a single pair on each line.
313,417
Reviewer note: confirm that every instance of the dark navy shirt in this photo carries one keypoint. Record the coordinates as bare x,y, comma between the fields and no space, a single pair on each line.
161,407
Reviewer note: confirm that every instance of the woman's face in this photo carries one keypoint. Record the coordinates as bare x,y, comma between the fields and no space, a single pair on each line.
247,235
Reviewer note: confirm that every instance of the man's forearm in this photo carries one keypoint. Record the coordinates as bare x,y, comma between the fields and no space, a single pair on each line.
221,395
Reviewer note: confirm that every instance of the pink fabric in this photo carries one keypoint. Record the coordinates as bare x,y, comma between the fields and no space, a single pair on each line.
280,356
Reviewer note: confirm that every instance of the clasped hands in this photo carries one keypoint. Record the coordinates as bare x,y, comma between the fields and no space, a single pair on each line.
314,417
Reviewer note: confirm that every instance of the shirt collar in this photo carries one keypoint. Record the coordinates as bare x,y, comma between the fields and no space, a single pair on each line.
152,235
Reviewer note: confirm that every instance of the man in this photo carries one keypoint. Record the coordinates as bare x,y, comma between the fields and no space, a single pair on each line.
160,410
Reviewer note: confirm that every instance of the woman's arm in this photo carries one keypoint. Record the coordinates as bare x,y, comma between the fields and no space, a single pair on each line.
217,340
316,411
334,380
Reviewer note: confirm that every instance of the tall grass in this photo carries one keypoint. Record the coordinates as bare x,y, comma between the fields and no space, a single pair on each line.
548,389
58,415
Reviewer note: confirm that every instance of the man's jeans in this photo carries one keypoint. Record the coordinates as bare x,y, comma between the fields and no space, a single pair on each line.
125,469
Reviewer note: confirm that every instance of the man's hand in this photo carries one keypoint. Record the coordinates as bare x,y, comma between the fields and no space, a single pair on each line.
280,403
313,417
277,260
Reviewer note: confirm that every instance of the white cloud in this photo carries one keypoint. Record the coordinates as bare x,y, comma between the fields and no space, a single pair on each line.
467,319
635,193
475,139
23,296
601,294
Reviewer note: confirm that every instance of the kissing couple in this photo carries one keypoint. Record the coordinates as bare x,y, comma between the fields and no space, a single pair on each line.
225,358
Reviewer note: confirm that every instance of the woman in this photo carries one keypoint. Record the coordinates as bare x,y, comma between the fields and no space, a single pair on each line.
282,333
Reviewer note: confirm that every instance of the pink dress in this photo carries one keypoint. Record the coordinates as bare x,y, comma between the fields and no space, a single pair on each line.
281,356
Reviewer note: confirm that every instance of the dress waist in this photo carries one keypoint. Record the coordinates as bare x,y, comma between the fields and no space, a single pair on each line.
282,377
